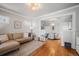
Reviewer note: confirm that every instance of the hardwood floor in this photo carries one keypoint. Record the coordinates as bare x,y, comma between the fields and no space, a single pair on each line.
53,48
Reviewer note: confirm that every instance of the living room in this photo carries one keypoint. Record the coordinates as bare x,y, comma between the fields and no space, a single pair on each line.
28,29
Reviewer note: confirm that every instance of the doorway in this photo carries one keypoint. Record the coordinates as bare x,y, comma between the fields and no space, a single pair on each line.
64,25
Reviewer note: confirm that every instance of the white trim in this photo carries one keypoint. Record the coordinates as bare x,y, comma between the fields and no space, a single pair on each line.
47,15
14,13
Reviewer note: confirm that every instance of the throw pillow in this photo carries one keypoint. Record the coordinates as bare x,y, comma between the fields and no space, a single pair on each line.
25,34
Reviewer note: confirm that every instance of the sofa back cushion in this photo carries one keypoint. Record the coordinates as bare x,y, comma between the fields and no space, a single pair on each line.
10,36
17,35
3,38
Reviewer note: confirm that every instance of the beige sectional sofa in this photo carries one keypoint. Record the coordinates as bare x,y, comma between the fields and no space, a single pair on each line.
12,41
7,45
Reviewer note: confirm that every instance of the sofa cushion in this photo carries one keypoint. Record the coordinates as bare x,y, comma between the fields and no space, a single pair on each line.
28,39
17,35
23,40
10,44
3,38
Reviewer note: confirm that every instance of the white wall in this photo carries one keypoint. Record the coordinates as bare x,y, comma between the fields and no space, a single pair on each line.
7,28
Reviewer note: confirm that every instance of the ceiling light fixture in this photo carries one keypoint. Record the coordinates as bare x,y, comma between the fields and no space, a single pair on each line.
34,6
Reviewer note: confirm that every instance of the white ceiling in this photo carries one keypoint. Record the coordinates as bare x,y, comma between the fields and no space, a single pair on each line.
46,8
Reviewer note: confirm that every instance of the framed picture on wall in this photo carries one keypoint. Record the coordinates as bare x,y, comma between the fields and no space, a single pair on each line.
17,24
